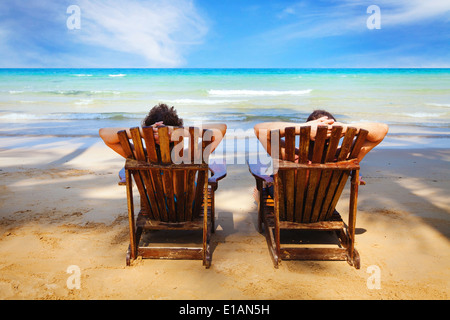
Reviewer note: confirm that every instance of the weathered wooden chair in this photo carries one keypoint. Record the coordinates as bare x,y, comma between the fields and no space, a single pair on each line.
307,185
174,188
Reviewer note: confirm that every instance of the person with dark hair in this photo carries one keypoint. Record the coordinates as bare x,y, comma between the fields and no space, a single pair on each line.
317,114
162,113
159,115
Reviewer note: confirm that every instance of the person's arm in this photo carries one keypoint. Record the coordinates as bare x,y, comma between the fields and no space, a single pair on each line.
111,139
376,134
219,130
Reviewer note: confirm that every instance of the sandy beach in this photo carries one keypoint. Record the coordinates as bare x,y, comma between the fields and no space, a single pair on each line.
61,206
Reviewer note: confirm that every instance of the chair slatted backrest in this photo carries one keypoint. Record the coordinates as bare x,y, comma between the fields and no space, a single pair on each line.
170,176
309,191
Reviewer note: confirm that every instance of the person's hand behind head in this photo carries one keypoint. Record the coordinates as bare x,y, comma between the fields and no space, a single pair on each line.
155,127
323,121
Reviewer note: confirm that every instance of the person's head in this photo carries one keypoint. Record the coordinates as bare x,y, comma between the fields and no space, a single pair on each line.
316,114
162,112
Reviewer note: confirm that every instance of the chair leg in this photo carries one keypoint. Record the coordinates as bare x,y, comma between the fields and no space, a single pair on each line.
353,254
260,204
213,213
128,257
132,254
207,257
207,226
271,243
132,250
206,246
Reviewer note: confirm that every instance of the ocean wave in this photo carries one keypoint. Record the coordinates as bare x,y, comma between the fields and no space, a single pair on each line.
84,102
241,117
425,115
445,105
70,116
83,75
105,92
229,93
117,75
67,92
202,101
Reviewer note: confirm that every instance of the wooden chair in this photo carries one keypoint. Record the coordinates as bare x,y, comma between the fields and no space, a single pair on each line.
306,188
174,188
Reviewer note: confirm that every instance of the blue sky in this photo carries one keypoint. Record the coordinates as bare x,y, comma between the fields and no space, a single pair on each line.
224,33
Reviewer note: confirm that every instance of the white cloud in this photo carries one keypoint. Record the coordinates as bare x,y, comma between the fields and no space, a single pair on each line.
411,11
351,16
159,31
113,33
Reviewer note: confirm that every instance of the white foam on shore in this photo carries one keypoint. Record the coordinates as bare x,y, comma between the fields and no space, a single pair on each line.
69,116
445,105
424,115
202,101
246,93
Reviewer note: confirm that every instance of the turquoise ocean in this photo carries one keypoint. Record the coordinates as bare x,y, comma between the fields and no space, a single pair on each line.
415,103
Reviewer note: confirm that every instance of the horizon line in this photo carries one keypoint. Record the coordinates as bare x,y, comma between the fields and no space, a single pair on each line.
224,68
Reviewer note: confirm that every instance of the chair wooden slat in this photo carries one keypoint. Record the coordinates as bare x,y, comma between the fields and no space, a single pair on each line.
305,133
359,142
334,143
290,176
190,194
198,199
149,139
194,145
319,144
146,177
137,142
179,181
302,175
314,176
125,143
347,143
340,187
274,144
153,158
339,179
320,195
164,144
279,190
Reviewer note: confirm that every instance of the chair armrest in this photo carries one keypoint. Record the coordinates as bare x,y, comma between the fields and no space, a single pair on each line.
257,171
122,179
219,171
